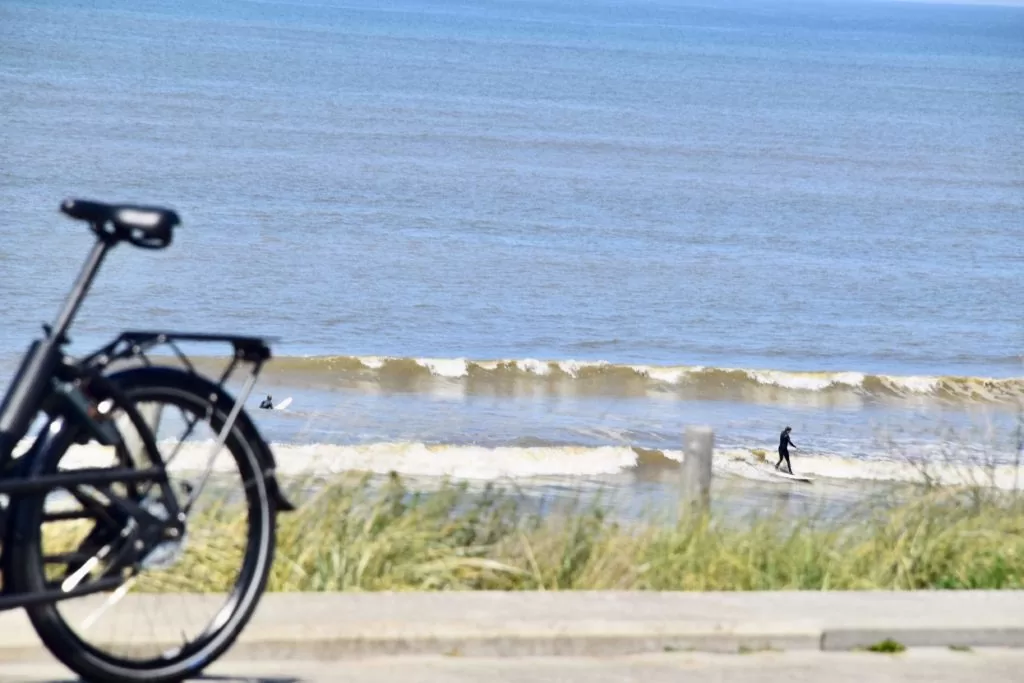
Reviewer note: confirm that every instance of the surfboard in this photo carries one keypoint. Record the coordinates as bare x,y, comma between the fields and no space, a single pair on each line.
283,404
791,477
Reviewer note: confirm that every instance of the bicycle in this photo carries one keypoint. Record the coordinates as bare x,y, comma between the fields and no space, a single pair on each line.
91,507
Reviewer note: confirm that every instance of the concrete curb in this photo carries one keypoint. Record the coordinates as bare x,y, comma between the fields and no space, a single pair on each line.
581,640
523,645
609,640
844,639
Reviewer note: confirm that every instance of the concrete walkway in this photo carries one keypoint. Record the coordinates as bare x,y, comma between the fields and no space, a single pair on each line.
915,666
325,626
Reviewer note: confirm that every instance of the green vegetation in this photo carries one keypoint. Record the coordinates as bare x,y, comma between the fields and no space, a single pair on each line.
887,646
358,534
354,536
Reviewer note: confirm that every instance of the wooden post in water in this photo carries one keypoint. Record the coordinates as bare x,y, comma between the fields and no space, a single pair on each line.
699,443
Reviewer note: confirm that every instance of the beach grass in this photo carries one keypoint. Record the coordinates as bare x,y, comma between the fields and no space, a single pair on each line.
356,533
354,536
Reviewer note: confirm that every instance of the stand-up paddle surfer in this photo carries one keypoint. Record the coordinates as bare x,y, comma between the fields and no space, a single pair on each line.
784,444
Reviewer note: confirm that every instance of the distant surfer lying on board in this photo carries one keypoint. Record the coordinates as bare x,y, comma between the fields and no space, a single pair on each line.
784,444
268,403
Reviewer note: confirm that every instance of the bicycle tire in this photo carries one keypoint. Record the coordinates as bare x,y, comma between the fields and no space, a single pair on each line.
172,387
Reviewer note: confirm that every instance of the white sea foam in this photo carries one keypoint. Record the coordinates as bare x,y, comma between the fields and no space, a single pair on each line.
805,380
445,367
852,379
939,471
669,375
487,463
409,458
917,385
573,367
531,365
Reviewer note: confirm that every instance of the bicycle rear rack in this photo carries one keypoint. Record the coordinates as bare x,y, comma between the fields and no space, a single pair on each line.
136,344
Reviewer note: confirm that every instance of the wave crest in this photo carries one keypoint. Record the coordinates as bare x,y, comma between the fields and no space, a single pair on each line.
604,378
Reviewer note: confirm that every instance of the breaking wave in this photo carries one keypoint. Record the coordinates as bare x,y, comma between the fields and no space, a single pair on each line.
577,463
602,378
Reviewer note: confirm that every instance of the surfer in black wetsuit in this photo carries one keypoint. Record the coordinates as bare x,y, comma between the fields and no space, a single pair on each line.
784,444
268,403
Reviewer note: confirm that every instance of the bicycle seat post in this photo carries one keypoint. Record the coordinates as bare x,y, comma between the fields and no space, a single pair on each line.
81,287
144,226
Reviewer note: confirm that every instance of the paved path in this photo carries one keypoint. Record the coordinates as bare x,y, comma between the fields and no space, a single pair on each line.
331,625
570,636
919,666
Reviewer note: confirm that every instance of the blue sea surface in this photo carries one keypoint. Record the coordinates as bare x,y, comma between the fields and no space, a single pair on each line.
792,187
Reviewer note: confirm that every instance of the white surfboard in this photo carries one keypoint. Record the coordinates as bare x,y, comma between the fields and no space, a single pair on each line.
283,404
791,477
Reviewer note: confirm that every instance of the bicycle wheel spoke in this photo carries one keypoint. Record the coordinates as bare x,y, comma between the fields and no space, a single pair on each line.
190,427
114,598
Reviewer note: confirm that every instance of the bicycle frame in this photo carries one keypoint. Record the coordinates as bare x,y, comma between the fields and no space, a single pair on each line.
33,381
48,381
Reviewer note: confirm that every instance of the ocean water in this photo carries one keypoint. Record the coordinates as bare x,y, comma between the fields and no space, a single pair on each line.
540,238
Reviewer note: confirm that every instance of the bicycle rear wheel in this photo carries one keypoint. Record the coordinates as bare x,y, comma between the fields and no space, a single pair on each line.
138,632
